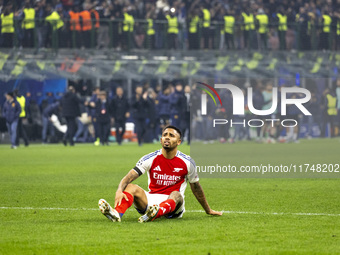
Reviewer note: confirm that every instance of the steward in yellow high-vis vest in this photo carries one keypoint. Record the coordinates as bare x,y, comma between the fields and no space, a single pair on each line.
55,21
337,33
331,104
206,17
250,41
22,101
172,24
128,28
282,22
229,29
28,25
326,22
172,29
56,27
304,26
21,130
128,23
28,22
7,23
7,27
193,22
332,112
262,20
150,31
205,21
248,21
282,27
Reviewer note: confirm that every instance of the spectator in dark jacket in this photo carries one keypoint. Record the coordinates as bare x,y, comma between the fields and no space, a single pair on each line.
11,111
163,107
151,120
177,105
185,123
70,110
258,103
92,112
103,115
46,120
120,112
139,107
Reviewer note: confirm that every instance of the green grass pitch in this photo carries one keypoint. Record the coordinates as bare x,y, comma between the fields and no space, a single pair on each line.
49,196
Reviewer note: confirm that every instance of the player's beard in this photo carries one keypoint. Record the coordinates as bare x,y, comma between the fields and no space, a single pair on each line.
169,147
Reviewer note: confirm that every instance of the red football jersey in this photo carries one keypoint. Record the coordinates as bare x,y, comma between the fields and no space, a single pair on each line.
167,175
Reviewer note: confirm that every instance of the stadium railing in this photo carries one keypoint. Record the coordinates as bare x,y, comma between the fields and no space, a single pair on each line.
47,36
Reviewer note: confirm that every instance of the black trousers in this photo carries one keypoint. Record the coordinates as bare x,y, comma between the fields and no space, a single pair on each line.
229,41
172,41
71,129
21,132
120,130
150,42
324,41
194,43
8,39
140,128
86,39
104,131
206,37
282,37
28,41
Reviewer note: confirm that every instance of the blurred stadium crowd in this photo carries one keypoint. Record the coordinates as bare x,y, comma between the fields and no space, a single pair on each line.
73,118
165,24
171,24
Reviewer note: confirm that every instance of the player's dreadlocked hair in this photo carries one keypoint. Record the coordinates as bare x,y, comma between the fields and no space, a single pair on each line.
173,127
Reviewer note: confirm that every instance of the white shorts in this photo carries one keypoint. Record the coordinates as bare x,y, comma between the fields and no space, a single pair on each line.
159,198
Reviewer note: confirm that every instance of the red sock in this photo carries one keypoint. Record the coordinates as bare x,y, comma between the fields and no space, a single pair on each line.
166,207
125,204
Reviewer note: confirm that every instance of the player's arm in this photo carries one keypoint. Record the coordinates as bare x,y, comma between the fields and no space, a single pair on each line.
130,177
199,194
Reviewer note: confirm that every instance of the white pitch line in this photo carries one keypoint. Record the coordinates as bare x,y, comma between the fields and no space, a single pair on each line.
189,211
272,213
49,208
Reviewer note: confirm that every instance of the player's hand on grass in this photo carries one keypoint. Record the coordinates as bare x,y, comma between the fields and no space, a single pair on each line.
214,213
119,197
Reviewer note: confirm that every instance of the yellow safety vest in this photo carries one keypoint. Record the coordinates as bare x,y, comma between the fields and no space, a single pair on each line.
327,20
206,18
55,20
193,24
7,23
151,30
22,101
248,21
128,23
229,22
263,23
331,105
282,22
28,22
338,28
172,24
